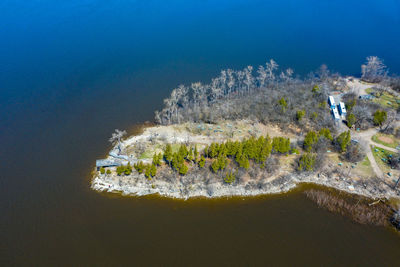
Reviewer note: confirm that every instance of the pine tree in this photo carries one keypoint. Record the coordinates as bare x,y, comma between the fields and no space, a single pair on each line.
215,166
195,154
190,155
168,154
229,178
147,171
343,140
202,161
282,102
222,162
183,169
212,151
326,133
309,140
156,159
153,170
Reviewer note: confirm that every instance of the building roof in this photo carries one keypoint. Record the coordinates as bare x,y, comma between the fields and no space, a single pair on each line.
107,163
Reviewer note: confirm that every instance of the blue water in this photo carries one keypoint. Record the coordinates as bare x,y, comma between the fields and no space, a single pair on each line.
73,71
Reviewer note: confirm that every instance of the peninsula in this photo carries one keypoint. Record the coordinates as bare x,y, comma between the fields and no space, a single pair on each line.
245,135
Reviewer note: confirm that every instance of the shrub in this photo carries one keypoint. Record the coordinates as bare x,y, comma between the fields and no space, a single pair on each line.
102,170
229,178
354,153
108,171
300,114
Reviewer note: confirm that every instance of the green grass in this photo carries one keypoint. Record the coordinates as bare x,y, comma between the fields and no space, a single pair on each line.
387,100
376,139
380,155
369,90
366,162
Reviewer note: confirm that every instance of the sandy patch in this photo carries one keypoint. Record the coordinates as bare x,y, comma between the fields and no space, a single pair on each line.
386,139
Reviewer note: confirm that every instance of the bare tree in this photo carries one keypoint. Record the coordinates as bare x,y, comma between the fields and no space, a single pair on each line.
116,138
374,70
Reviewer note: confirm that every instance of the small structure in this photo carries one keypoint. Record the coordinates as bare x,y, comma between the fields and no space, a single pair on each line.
342,109
107,163
331,102
335,114
366,97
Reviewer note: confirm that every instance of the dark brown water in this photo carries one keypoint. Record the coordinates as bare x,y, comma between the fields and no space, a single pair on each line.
73,71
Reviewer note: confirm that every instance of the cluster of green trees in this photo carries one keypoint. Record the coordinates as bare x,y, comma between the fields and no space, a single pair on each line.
150,170
343,141
176,160
309,159
124,169
306,162
312,138
103,171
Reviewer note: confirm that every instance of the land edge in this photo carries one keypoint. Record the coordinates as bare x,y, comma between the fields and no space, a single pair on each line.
283,183
287,187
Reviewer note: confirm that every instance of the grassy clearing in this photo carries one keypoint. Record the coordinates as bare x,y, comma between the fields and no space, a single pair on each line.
369,90
382,157
364,168
385,100
378,139
388,101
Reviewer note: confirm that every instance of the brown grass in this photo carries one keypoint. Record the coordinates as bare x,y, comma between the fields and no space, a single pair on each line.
386,139
356,208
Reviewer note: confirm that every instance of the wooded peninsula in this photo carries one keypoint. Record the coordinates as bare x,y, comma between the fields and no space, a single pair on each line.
249,134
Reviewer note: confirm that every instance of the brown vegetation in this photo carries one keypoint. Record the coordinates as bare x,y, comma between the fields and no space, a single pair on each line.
360,209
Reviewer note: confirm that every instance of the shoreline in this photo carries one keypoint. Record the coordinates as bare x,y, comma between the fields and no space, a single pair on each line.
200,184
280,185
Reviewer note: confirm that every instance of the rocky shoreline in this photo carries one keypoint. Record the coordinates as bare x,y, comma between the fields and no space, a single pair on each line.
136,185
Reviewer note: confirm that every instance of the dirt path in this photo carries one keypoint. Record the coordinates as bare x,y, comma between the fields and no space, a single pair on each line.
365,137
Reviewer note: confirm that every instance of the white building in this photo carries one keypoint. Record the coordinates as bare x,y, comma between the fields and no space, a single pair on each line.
331,101
335,113
342,109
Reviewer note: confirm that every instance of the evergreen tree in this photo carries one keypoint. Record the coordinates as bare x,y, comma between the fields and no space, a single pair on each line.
300,114
128,169
108,171
183,169
153,170
190,155
309,140
343,140
229,178
306,162
168,154
215,166
212,151
195,154
351,119
202,161
326,133
282,102
380,117
102,170
147,171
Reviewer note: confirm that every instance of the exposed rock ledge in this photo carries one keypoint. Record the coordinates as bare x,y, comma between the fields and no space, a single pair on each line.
136,185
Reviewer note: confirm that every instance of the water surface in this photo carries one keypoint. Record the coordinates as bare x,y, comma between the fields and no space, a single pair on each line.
73,71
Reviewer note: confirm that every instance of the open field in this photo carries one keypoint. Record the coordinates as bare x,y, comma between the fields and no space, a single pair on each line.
386,140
